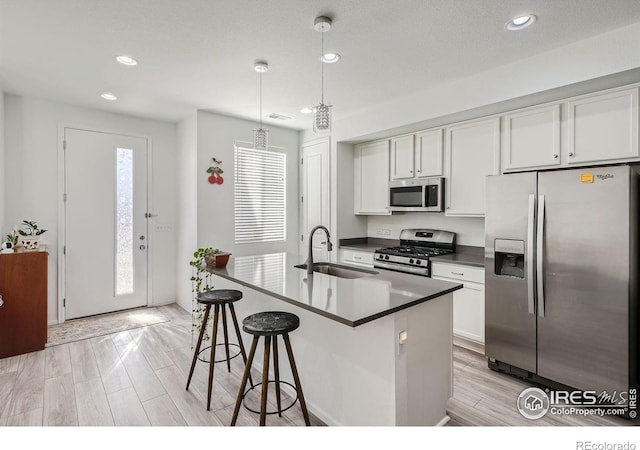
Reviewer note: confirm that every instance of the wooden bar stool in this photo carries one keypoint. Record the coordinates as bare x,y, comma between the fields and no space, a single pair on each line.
219,298
270,324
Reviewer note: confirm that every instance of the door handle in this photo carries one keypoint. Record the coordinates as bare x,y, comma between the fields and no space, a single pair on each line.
142,247
530,244
540,256
1,300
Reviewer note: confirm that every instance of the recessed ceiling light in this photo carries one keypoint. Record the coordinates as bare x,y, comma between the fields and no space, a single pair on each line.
521,22
109,96
306,110
126,60
330,57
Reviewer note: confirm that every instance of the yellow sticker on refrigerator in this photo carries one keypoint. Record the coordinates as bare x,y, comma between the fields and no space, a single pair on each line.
586,177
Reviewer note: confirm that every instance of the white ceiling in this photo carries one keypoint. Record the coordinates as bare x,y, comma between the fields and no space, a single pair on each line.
198,54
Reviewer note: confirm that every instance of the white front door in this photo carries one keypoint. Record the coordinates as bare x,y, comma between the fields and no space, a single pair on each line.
105,224
315,197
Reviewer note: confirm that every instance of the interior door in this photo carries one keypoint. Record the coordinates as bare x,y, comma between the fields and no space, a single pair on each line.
315,197
583,306
105,224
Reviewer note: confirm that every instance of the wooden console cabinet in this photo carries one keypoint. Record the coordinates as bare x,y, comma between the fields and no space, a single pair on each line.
23,314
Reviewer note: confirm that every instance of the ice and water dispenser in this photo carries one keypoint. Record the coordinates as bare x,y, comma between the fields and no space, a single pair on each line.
509,258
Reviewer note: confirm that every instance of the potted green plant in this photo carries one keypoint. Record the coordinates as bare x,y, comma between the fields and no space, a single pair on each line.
200,282
216,258
30,234
13,236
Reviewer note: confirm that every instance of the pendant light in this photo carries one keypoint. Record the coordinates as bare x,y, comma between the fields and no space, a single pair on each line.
322,112
260,135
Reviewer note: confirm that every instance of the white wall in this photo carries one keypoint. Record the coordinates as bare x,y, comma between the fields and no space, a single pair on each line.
469,230
3,228
216,135
554,74
31,157
598,56
187,173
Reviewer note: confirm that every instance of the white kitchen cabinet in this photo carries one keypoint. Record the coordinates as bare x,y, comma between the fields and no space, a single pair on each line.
472,152
603,127
428,153
358,258
468,302
532,138
402,149
371,177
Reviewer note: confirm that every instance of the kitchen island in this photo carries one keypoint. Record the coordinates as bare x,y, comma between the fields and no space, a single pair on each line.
373,350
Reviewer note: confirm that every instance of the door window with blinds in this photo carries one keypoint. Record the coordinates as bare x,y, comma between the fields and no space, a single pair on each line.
260,195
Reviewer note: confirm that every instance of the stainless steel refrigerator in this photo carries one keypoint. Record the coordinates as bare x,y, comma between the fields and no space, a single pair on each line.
561,265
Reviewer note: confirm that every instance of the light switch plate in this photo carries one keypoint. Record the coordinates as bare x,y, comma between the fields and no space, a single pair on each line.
163,227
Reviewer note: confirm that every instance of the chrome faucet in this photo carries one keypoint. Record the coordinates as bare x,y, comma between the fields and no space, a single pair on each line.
310,255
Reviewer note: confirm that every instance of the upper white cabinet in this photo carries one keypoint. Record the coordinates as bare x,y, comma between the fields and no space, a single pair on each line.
428,153
531,138
472,152
416,156
402,149
372,178
603,127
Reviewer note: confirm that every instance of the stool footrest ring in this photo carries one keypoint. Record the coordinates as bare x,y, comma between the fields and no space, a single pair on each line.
244,403
205,353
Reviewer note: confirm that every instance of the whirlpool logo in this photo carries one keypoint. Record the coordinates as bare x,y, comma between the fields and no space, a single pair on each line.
606,176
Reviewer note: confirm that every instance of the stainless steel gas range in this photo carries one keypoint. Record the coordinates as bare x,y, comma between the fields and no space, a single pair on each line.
414,252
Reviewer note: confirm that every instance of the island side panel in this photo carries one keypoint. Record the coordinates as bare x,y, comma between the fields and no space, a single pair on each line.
347,374
424,362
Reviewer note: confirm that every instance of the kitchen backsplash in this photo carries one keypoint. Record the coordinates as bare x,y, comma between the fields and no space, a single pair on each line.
469,230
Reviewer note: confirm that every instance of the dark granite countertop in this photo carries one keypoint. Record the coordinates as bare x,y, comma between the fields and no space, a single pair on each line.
465,255
352,302
368,244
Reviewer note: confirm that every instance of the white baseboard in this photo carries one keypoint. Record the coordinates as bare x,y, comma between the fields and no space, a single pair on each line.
52,322
468,344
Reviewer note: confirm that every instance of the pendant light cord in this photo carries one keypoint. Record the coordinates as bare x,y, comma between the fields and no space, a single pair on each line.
322,71
261,100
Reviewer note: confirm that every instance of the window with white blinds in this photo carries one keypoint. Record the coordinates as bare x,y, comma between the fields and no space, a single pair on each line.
260,195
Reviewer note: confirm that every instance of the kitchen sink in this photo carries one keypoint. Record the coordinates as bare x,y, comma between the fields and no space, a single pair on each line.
338,270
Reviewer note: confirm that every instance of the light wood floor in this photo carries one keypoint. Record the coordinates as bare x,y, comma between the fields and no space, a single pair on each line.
138,377
134,377
487,398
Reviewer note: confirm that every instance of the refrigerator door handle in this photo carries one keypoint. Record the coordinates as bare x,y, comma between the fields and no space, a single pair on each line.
530,244
540,256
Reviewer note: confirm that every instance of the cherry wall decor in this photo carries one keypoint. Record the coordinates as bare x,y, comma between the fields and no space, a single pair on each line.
215,172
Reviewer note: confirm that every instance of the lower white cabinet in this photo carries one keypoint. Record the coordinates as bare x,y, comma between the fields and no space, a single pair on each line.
468,302
358,258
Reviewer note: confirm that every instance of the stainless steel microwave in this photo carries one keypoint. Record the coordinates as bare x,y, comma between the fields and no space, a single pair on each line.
417,194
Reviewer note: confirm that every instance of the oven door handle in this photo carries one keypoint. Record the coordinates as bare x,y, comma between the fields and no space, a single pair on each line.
424,271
